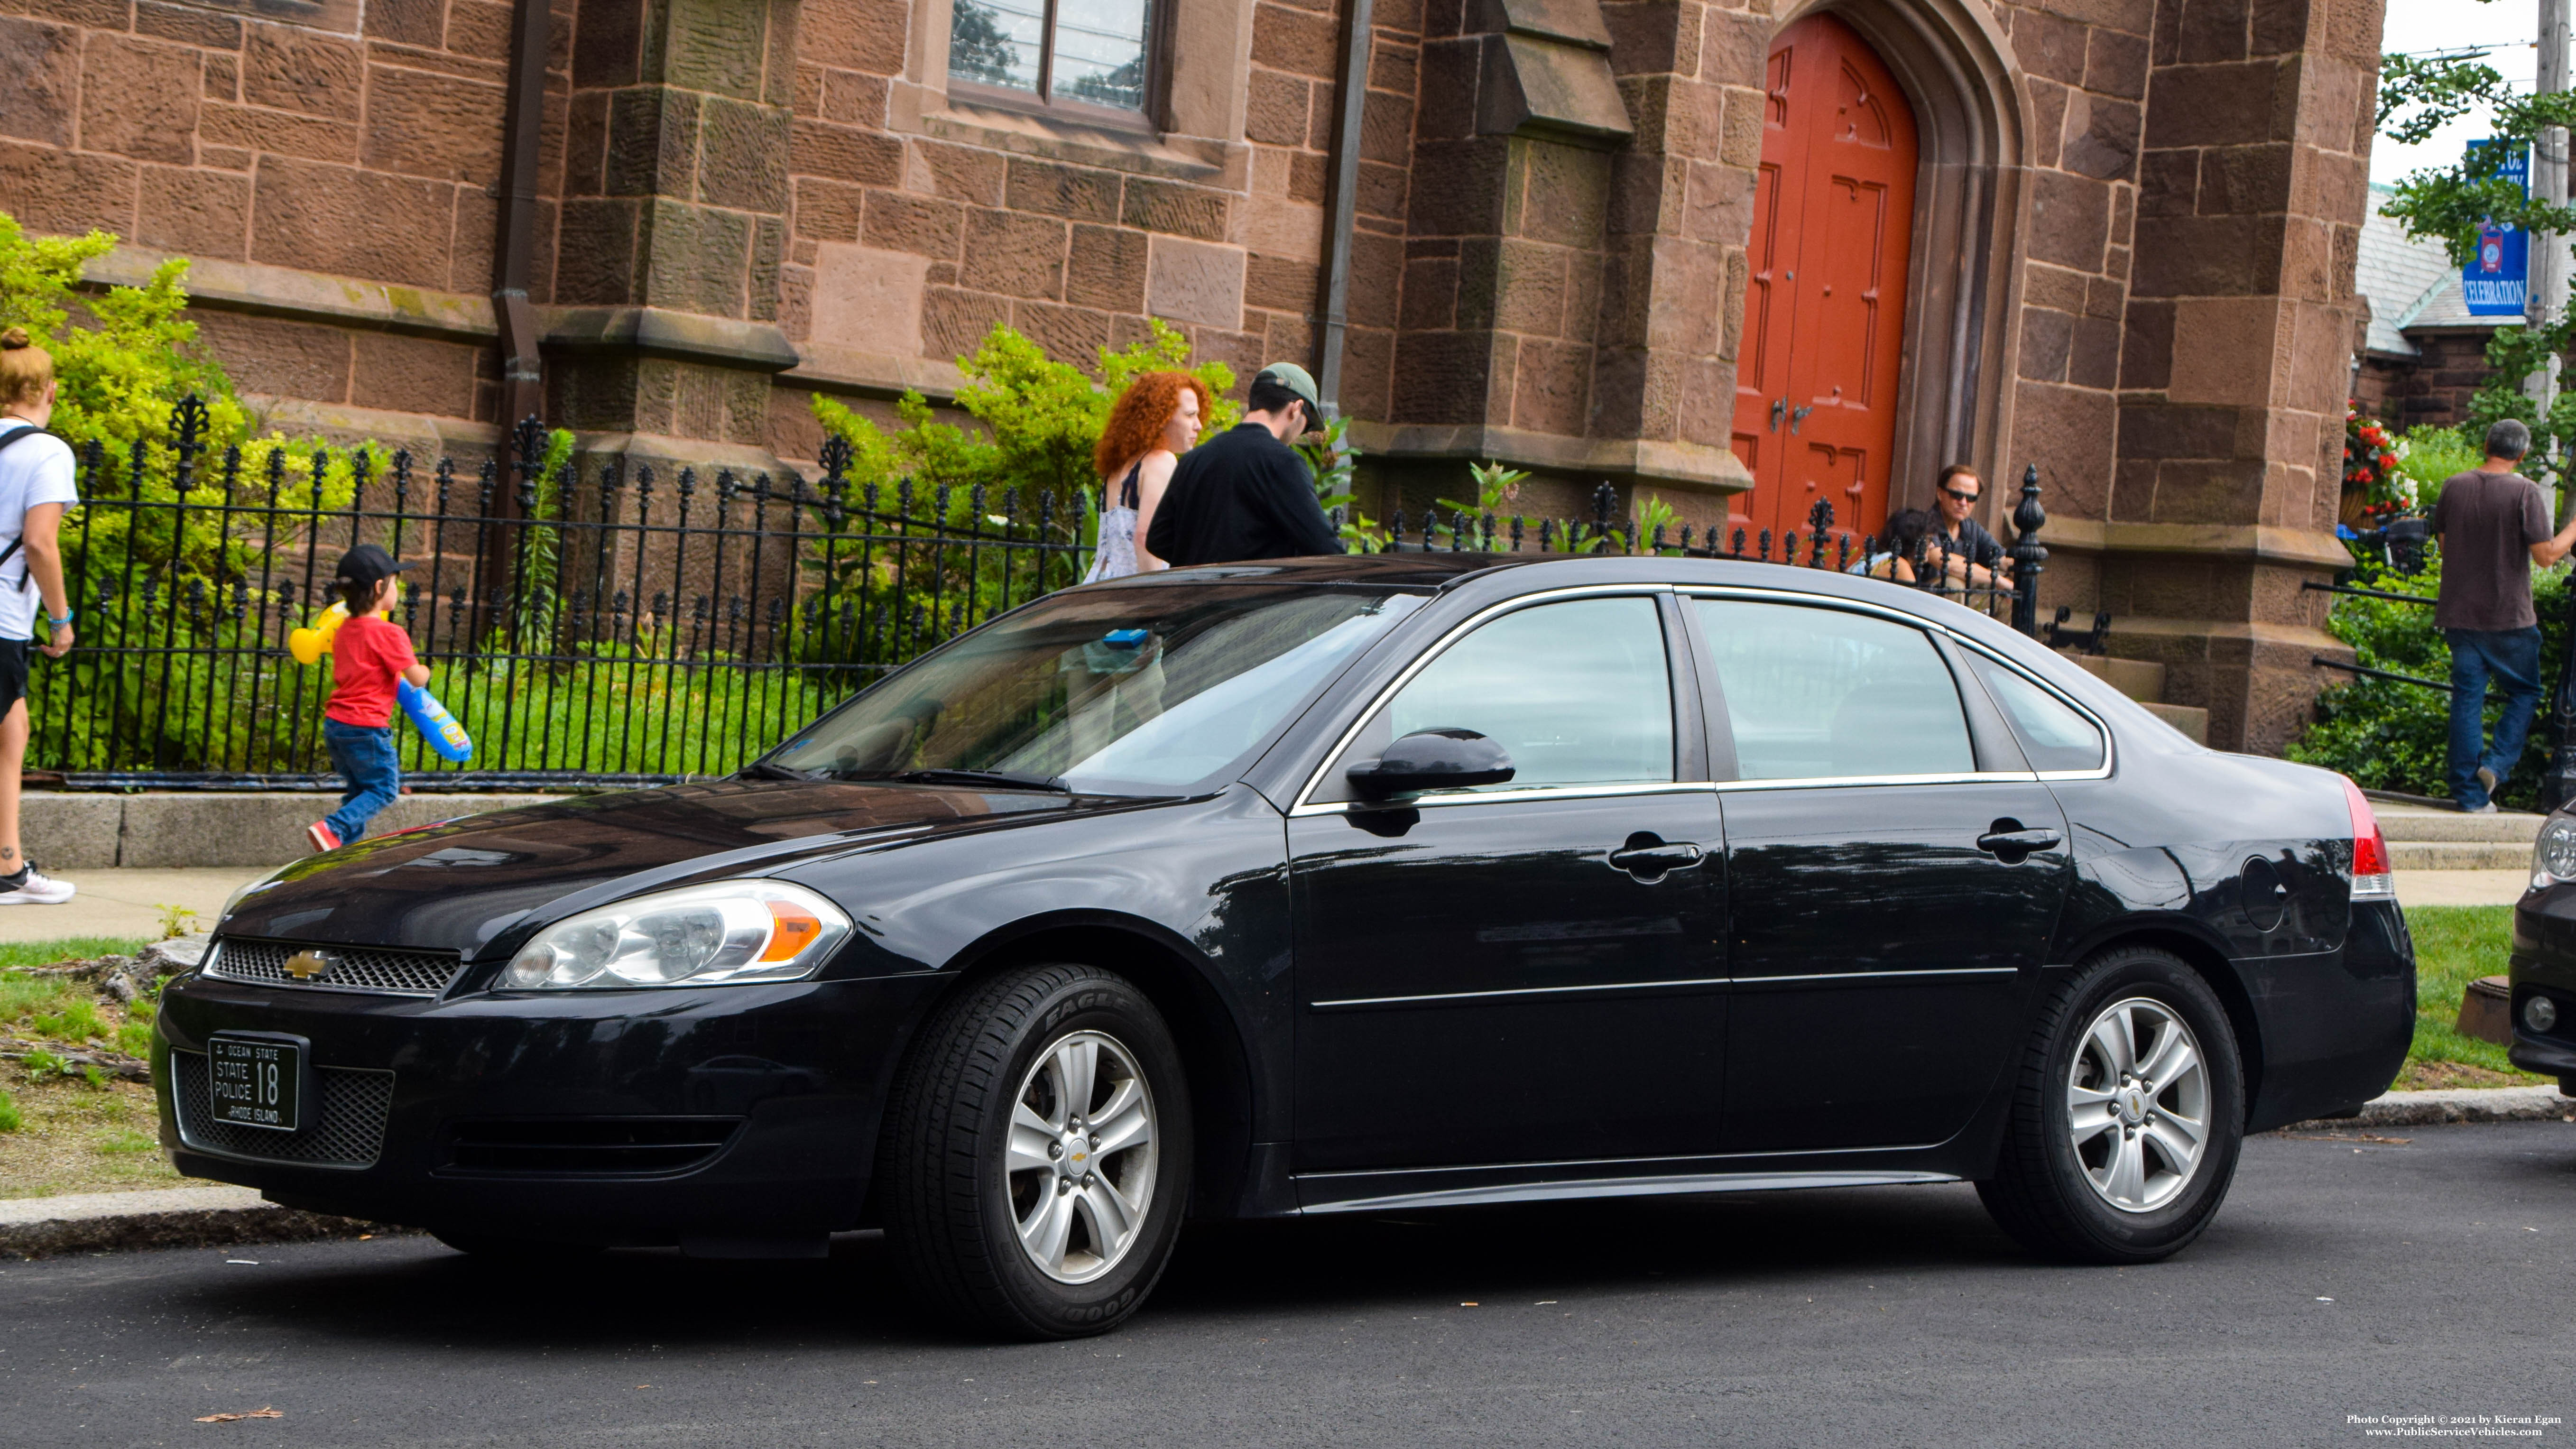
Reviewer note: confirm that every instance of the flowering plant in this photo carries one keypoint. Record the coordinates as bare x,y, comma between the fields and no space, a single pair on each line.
2375,489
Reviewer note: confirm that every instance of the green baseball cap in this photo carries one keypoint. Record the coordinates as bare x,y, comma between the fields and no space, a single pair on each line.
1297,380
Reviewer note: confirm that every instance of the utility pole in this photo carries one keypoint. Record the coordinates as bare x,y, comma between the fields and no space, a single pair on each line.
2546,303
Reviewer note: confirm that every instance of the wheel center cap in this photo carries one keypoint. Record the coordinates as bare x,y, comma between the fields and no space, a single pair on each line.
1077,1155
2132,1106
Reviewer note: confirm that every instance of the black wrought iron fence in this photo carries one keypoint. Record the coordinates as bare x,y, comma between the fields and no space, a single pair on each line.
2005,591
612,626
599,627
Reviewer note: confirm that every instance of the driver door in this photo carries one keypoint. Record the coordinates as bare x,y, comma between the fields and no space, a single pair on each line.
1519,973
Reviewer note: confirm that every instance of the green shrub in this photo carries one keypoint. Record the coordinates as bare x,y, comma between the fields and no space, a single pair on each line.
2429,457
1039,417
2392,736
11,1119
41,1064
135,1038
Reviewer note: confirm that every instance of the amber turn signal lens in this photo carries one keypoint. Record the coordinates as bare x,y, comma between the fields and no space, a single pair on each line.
796,929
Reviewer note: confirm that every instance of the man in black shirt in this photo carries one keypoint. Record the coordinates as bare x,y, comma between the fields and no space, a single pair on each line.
1955,498
1245,494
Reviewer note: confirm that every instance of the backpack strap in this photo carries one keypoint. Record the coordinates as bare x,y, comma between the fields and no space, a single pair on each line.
25,582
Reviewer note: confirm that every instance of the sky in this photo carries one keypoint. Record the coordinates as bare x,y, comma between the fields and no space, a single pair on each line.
2416,26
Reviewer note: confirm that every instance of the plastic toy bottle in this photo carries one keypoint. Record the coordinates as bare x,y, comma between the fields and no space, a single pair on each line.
309,645
436,725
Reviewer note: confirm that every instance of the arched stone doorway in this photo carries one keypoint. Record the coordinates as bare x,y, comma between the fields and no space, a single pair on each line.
1951,76
1824,308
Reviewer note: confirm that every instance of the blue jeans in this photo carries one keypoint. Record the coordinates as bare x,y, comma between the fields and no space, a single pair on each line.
365,758
2510,657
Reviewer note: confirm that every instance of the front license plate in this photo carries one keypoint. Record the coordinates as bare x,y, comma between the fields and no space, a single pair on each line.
258,1081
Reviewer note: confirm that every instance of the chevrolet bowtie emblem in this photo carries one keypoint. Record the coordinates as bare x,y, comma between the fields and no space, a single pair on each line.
305,965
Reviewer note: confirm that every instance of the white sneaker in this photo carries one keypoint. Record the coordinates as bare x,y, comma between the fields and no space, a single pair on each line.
34,888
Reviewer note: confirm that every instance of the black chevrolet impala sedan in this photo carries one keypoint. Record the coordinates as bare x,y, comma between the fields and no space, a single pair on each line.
1326,886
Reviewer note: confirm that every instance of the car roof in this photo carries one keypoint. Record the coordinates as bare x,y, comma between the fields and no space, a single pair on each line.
1409,570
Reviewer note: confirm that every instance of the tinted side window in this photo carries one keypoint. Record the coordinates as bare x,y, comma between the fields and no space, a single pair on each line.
1577,692
2053,735
1814,693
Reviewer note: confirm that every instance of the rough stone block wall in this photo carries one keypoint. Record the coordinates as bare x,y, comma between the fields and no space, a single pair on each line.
347,147
2252,188
2086,75
909,245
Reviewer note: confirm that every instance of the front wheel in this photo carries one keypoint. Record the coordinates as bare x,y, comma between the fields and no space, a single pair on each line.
1037,1154
2128,1111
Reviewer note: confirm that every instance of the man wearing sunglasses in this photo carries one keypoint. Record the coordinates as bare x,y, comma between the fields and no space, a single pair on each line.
1954,498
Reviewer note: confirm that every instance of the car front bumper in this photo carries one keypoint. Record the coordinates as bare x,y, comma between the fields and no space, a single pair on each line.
707,1116
2544,964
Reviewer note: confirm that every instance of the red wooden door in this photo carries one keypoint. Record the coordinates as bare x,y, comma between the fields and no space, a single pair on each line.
1824,309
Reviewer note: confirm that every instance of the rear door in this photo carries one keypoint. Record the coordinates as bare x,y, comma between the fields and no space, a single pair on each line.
1895,872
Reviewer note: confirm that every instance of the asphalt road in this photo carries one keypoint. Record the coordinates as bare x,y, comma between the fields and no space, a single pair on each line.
2344,1277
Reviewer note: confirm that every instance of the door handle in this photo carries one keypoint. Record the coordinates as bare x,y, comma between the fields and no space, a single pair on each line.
1800,416
2007,841
1648,858
1779,410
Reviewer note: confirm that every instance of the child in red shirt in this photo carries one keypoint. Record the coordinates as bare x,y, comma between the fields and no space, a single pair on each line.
367,655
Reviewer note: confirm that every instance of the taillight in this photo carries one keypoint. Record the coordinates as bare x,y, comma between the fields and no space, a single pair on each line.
2373,877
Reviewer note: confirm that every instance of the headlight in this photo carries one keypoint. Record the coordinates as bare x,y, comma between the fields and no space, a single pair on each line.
2554,854
733,931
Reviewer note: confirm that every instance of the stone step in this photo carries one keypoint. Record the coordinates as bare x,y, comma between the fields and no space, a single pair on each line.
2402,822
2458,855
2140,679
2191,719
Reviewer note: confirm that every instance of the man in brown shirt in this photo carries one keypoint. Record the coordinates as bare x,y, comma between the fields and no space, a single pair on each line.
2494,527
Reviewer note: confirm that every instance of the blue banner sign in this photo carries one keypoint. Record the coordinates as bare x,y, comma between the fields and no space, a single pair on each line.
2497,279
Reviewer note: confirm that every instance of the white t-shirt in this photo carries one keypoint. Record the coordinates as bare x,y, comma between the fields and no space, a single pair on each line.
38,470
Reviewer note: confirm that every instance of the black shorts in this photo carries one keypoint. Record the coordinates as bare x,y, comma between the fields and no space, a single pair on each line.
13,671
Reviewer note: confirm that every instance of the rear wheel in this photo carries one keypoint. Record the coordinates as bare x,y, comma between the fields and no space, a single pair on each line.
2127,1115
1037,1154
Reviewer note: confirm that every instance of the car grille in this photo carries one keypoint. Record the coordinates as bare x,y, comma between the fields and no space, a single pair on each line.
347,1127
353,968
631,1145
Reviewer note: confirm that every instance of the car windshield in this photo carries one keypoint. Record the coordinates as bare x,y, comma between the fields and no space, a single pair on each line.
1119,691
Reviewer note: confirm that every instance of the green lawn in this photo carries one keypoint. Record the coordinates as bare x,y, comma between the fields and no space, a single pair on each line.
2455,945
62,1131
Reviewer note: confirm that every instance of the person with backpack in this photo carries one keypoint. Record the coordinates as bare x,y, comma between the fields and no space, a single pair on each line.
36,485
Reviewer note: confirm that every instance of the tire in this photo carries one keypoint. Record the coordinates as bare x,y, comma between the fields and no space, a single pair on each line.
2123,1193
979,1144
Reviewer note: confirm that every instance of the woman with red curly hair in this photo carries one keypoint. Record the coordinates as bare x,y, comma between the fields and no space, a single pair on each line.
1154,421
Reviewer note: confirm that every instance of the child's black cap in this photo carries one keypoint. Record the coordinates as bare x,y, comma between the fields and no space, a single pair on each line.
367,563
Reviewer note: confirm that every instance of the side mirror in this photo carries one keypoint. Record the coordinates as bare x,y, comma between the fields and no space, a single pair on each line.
1440,759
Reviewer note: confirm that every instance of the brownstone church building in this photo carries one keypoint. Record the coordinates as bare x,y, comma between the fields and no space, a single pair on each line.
1740,256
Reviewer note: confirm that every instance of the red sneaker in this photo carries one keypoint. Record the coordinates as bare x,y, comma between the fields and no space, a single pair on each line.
320,834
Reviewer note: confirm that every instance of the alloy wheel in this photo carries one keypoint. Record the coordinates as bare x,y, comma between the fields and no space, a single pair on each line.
1081,1157
2137,1104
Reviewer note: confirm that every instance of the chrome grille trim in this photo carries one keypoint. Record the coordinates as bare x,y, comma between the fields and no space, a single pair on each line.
347,1127
379,970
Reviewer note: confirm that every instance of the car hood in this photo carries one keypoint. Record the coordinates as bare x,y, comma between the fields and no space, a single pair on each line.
459,886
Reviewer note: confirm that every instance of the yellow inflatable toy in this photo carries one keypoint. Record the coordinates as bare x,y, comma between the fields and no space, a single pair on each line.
309,645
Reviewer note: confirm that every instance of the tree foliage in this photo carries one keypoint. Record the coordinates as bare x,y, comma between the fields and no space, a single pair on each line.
1038,419
2418,95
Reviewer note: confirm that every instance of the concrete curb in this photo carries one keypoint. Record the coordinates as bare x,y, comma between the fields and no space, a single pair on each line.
99,830
177,1217
2455,1104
